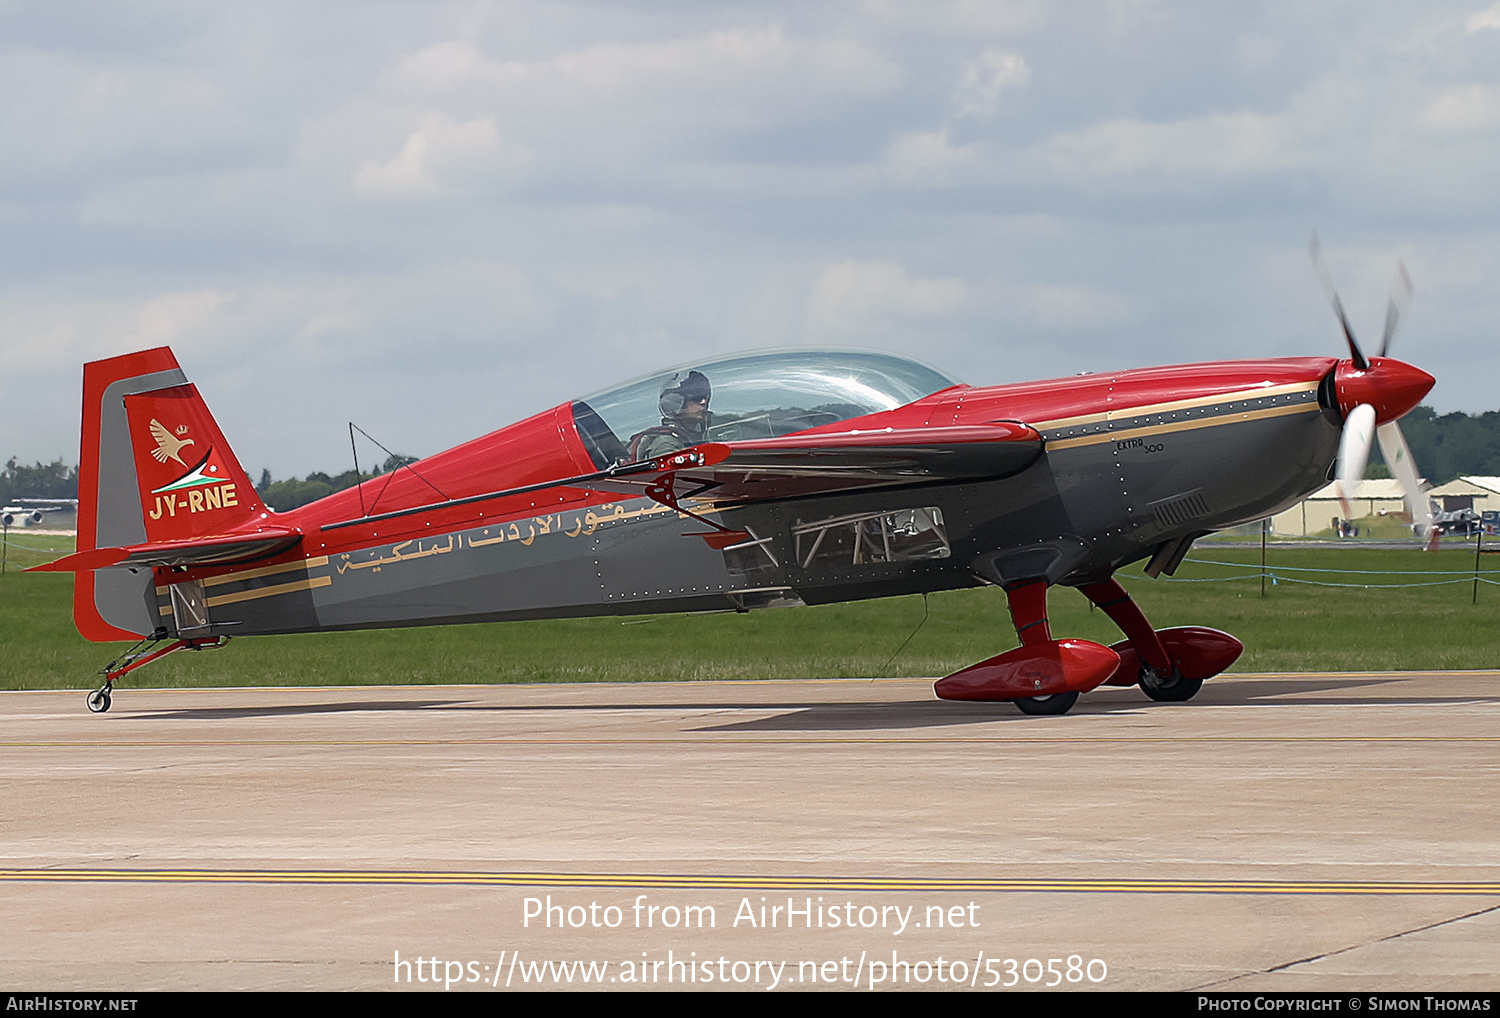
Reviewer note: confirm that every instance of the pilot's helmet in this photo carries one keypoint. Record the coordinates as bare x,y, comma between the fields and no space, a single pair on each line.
679,391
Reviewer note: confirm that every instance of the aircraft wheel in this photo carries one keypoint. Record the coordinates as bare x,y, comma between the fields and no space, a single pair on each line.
98,700
1172,689
1057,703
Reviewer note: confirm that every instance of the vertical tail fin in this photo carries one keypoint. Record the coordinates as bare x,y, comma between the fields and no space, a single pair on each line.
154,467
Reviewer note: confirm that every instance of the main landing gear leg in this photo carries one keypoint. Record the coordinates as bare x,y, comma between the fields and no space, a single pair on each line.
1169,664
1028,612
139,656
1043,675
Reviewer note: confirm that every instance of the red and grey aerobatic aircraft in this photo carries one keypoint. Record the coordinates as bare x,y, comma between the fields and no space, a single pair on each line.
770,478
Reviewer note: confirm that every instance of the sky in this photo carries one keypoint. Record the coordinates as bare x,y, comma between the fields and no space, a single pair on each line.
433,219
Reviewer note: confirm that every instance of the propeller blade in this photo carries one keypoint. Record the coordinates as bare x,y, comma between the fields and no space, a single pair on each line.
1316,250
1354,453
1396,309
1398,456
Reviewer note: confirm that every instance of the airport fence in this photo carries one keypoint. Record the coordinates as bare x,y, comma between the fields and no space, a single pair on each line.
1302,574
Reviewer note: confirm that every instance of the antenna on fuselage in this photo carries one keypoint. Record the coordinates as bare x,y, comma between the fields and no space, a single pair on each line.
401,463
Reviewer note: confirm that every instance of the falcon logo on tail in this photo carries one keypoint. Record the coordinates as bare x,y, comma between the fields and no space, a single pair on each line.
168,446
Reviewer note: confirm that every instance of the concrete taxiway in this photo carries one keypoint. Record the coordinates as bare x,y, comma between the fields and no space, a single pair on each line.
1289,832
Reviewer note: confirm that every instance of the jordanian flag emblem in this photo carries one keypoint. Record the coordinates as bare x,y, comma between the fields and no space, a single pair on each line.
210,470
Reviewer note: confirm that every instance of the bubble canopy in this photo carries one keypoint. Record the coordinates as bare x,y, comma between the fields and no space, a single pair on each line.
757,395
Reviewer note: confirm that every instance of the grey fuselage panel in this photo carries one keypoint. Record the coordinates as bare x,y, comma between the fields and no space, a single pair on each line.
1091,504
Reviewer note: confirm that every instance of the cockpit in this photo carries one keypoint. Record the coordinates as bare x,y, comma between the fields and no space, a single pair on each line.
758,395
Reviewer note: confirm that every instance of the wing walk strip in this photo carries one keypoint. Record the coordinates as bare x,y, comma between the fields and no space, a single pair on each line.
759,883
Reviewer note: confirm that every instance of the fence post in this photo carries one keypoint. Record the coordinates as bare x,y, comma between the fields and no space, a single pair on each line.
1478,543
1264,526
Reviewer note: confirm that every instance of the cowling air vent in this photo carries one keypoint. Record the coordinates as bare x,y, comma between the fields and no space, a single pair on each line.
1180,509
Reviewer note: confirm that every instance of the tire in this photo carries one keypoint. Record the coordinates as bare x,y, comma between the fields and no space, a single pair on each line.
1057,703
1174,689
98,701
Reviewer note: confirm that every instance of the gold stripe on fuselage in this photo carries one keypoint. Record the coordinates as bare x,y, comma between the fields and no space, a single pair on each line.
258,592
1176,404
251,574
1201,422
269,591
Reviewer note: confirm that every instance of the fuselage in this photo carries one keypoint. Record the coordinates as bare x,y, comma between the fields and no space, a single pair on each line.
1132,465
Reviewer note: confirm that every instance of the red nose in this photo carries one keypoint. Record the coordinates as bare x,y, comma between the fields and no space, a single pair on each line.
1392,387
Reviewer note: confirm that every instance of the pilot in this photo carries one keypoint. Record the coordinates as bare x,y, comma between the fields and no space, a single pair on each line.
684,418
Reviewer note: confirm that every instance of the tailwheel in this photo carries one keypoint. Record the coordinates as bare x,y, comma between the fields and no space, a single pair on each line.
143,653
1057,703
1173,688
98,700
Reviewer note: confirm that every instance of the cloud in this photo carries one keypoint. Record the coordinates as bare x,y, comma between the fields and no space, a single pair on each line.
854,295
458,212
1220,144
1071,307
166,319
929,158
451,118
1463,110
985,79
440,154
1215,146
1483,20
727,80
961,18
407,174
66,115
49,332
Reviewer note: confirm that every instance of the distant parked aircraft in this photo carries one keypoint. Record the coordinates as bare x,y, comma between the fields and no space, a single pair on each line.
28,511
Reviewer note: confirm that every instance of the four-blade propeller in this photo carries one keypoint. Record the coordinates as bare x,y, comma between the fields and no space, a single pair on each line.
1372,393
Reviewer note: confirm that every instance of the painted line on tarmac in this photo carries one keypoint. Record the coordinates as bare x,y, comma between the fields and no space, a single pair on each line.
755,883
709,737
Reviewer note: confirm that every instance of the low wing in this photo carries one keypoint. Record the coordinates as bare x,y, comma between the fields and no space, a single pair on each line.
795,466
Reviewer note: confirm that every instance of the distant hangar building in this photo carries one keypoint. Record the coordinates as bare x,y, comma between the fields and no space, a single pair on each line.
1481,494
1377,496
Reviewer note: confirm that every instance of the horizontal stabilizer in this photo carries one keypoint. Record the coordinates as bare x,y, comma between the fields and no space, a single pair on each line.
212,550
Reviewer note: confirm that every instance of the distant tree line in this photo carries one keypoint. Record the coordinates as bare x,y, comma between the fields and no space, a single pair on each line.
44,480
58,480
292,492
1453,444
